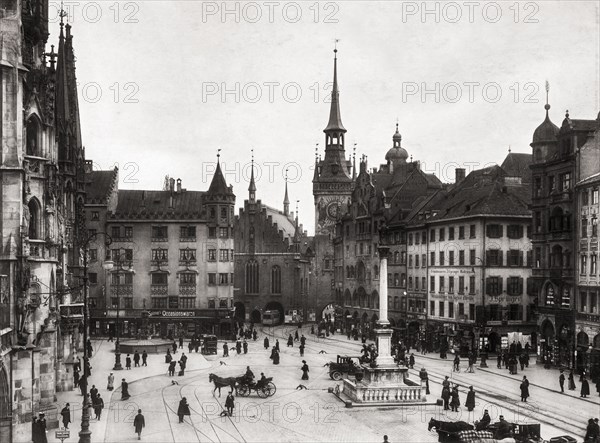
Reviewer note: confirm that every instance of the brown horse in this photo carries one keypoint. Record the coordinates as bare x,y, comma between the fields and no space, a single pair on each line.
447,430
222,382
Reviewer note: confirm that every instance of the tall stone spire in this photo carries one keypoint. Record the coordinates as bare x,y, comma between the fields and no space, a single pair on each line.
286,200
252,187
335,117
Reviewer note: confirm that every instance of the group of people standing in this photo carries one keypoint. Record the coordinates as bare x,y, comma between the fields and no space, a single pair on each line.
172,363
451,396
136,359
585,385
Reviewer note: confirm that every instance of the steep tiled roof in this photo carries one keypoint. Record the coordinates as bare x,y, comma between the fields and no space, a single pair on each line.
99,184
218,185
157,204
284,222
517,165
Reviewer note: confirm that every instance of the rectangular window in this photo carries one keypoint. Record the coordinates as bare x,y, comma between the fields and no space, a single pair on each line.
471,285
595,196
594,226
583,301
223,278
431,307
441,309
493,285
472,231
432,284
424,283
223,254
187,278
461,232
416,260
212,233
442,234
593,264
127,303
593,302
223,303
461,257
187,233
223,232
423,260
585,197
451,285
583,264
461,310
416,283
442,284
187,255
212,255
159,233
451,233
417,238
451,258
403,258
566,181
410,284
515,257
160,254
212,278
432,235
187,302
494,257
159,302
128,232
93,254
432,259
450,309
494,231
514,231
95,215
461,285
410,261
424,237
93,278
471,311
158,278
115,232
410,239
514,286
472,257
211,303
584,227
442,258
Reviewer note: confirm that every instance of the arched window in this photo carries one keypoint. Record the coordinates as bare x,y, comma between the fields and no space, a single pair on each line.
396,256
252,277
376,272
33,139
276,280
361,272
348,272
557,256
34,220
556,219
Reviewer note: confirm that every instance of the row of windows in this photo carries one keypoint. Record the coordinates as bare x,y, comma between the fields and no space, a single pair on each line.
585,197
186,303
494,257
252,278
593,223
493,285
441,311
563,182
593,264
589,301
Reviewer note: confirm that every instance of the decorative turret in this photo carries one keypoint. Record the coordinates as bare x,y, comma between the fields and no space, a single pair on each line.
545,135
397,154
218,191
286,199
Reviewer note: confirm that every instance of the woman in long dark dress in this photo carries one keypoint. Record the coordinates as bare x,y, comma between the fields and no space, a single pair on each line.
524,389
572,386
276,358
470,403
455,402
124,390
290,341
585,387
304,370
183,409
266,342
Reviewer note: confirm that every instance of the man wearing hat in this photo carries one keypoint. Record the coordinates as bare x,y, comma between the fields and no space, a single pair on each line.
484,422
503,429
66,415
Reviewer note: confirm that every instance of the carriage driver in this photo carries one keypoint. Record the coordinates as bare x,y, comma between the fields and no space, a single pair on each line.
263,379
249,376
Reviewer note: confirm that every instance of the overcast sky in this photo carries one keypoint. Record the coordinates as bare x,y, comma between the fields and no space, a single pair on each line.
163,85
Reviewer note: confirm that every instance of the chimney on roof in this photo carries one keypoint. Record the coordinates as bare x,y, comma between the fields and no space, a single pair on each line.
172,184
459,175
178,185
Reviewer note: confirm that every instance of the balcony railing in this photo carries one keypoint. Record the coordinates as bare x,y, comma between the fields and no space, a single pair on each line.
121,289
187,289
159,289
160,239
187,239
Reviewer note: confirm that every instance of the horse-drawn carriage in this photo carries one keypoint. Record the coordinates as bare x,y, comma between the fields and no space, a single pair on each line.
466,433
243,387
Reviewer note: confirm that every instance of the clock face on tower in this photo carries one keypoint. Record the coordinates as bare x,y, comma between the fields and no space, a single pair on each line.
328,209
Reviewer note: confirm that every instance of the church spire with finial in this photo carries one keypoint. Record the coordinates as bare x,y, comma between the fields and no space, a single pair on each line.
335,117
286,200
252,187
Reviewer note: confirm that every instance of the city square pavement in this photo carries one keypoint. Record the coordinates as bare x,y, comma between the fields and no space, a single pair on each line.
312,414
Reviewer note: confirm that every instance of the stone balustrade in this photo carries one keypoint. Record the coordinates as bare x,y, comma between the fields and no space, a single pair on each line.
362,393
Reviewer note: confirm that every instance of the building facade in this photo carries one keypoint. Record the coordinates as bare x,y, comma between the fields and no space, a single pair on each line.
273,261
41,190
172,254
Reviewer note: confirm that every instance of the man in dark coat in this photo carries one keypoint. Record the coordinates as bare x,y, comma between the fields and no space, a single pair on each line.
524,389
424,376
585,387
172,368
571,381
238,346
301,347
124,390
98,405
254,335
455,402
66,415
245,346
144,358
230,403
83,384
139,423
277,345
499,360
561,381
484,422
470,403
290,341
266,343
93,392
446,397
456,367
136,359
503,429
41,429
304,370
128,362
411,361
276,357
225,350
303,340
181,342
183,409
168,357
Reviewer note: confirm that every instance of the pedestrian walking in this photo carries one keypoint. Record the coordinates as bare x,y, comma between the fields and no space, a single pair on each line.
191,345
591,435
225,350
39,429
172,368
304,370
98,405
139,423
585,387
446,397
524,389
238,346
183,409
75,377
89,348
181,342
290,341
174,346
411,361
499,360
128,362
110,336
66,415
124,390
301,347
266,343
245,346
277,345
296,336
93,392
455,400
144,358
83,384
168,356
470,403
572,386
456,367
136,359
230,403
275,357
302,340
181,368
561,381
110,382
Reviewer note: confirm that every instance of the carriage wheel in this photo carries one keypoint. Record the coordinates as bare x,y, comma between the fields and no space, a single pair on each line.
244,391
263,392
272,388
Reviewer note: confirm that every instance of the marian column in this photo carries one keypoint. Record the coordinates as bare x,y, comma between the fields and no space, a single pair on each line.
383,331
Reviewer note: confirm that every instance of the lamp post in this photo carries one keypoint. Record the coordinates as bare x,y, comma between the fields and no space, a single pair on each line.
122,265
85,433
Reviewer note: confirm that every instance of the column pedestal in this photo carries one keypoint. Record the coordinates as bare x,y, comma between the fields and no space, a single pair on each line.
384,346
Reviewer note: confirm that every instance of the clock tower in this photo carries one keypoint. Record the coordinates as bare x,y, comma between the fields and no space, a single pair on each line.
332,181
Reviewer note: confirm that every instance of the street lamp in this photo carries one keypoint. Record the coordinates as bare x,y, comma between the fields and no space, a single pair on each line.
85,433
123,264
